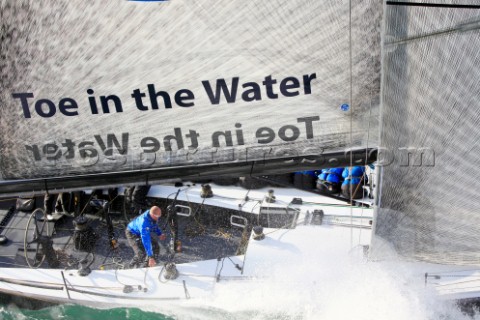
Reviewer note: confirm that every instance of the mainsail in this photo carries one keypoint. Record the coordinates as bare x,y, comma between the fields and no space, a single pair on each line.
428,204
137,90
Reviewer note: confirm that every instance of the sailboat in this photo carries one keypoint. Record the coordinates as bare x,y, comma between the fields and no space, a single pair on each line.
99,95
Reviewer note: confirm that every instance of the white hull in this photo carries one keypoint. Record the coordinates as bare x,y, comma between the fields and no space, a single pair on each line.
199,280
343,237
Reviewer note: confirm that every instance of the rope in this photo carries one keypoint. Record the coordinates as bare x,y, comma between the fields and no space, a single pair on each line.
160,276
114,261
145,287
358,186
333,205
86,204
189,229
223,234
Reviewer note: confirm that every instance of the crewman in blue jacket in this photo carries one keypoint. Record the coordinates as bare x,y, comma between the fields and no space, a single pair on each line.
329,180
138,230
352,185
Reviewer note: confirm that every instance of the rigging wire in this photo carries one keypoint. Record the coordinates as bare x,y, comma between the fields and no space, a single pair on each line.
351,110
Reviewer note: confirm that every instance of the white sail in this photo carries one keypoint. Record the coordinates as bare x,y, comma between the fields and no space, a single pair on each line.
428,202
123,87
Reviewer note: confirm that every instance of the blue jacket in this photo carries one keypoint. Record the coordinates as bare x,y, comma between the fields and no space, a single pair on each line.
335,175
323,176
354,176
309,173
142,226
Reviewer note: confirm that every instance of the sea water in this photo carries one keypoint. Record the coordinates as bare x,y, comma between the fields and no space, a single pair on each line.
73,312
327,288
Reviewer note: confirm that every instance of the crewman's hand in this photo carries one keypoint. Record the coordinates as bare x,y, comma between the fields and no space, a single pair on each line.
162,237
151,262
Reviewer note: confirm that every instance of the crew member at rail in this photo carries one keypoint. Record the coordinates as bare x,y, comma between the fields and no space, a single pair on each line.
139,237
352,185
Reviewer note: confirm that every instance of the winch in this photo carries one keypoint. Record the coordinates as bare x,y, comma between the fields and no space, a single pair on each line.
84,237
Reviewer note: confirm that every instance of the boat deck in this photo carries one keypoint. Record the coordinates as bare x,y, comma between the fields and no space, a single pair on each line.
200,241
214,229
218,246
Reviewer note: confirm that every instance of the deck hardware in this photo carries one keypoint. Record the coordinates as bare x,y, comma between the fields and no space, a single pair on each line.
297,201
127,289
169,271
65,283
258,233
307,218
84,270
317,217
83,236
241,225
206,191
184,211
270,198
187,295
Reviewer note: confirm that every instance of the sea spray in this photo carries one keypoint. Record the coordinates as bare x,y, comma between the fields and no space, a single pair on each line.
332,287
